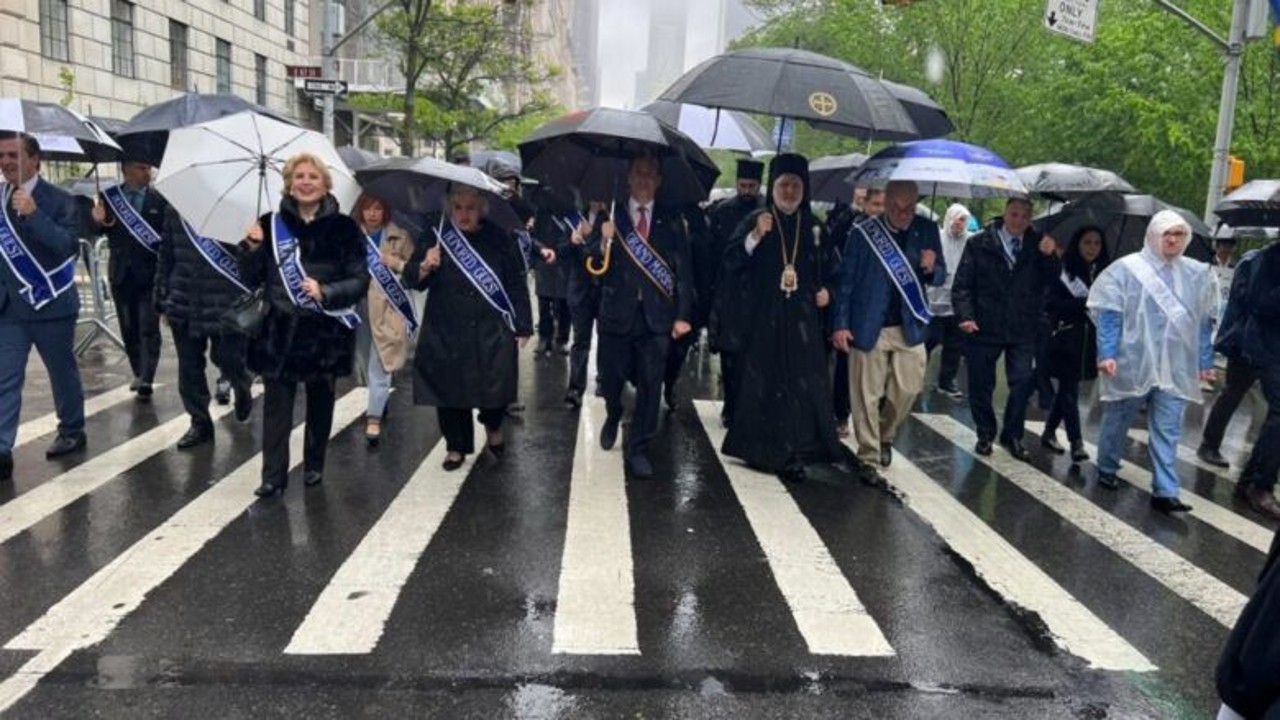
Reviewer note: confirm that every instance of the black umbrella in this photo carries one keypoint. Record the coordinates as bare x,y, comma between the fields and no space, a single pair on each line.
418,187
832,177
930,118
357,158
1124,220
491,162
712,128
112,125
146,134
1062,181
1257,202
590,151
63,134
827,93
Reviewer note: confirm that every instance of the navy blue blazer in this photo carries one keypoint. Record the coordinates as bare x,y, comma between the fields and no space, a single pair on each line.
50,233
624,282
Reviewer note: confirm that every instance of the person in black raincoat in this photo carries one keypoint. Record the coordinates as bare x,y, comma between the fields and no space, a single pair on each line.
1072,352
467,349
1248,676
303,344
776,279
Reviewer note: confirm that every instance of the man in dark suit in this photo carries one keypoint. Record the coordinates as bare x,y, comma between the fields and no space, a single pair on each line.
132,214
640,313
38,299
584,299
998,296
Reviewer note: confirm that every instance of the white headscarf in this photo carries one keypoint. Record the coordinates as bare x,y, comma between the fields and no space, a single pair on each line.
1162,222
956,210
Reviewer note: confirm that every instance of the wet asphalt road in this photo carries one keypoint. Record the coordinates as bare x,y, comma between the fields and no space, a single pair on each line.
201,631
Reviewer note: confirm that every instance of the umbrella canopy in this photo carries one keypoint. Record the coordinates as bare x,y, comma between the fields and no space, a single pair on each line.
356,158
146,135
1124,220
930,118
942,167
221,175
1062,181
492,161
831,175
712,128
63,133
419,187
1257,202
827,93
591,150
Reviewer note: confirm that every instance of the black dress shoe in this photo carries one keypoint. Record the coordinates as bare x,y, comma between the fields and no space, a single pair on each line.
1015,448
886,454
451,464
312,477
195,436
573,398
640,467
1110,481
65,445
1050,443
983,448
266,490
143,392
1169,505
793,473
244,406
1078,453
1212,456
6,467
609,433
222,391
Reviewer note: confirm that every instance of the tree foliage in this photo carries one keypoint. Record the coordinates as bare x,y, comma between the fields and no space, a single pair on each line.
1142,100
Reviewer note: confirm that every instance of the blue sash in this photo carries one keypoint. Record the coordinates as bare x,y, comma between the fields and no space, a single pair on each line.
285,246
646,258
525,240
482,277
390,286
39,287
900,271
216,255
139,228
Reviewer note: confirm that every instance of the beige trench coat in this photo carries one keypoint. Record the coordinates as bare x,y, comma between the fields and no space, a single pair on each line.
386,326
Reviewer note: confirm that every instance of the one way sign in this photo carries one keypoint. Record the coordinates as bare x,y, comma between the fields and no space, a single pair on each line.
1073,18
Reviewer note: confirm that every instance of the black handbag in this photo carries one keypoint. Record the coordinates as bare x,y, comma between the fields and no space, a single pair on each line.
246,314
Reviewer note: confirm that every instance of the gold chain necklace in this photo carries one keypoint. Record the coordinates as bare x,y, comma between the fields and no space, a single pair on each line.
790,279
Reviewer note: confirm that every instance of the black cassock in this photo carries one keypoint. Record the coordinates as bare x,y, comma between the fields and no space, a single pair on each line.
783,410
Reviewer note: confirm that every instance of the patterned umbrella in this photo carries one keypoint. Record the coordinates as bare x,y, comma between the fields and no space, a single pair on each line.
942,168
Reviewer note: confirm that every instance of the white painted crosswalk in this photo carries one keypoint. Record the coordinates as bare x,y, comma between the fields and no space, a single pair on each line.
45,424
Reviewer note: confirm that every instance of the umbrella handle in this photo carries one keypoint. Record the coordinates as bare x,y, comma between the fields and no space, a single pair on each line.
598,270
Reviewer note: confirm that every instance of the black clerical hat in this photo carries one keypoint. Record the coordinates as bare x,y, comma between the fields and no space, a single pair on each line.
750,169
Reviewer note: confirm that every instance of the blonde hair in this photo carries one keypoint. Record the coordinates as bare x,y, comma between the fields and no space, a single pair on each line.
305,158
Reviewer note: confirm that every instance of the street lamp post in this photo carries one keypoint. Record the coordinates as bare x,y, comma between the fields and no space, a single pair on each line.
329,58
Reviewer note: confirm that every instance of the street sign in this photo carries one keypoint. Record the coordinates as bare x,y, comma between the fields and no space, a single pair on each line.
303,71
1073,18
324,87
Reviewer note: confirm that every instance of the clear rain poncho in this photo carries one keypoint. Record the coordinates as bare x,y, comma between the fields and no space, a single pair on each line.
1160,347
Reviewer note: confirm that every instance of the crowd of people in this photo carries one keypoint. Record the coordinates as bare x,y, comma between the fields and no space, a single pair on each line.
823,325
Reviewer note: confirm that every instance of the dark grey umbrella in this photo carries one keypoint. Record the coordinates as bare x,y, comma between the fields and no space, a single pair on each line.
492,162
590,151
1257,202
356,158
784,82
1062,181
146,134
930,118
831,177
418,187
1124,220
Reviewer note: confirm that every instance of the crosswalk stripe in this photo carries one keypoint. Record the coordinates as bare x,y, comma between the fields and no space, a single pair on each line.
595,602
825,606
1011,575
1212,596
60,491
351,613
45,424
92,611
1209,512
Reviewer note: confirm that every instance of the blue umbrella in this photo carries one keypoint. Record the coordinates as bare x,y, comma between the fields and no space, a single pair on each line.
942,167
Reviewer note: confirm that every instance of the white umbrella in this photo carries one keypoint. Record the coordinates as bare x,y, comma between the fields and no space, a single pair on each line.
63,133
222,174
942,168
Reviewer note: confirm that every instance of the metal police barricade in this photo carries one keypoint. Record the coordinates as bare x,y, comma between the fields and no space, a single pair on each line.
95,309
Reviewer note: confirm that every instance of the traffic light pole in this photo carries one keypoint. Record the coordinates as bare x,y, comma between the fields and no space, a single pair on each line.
1227,106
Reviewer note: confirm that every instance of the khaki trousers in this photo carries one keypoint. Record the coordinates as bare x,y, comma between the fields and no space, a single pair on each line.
892,371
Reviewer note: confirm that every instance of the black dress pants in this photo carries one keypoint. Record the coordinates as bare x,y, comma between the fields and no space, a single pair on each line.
227,352
1241,375
139,329
639,356
455,425
583,314
277,425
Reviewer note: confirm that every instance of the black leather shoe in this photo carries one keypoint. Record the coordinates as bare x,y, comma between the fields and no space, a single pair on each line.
1169,505
609,433
244,406
793,473
1212,456
1110,481
195,436
573,398
1078,453
65,445
1015,448
222,392
6,467
1050,443
266,490
144,392
312,477
451,464
640,467
886,454
983,448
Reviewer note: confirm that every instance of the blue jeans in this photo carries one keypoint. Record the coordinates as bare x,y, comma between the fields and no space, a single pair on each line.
54,340
1164,425
379,384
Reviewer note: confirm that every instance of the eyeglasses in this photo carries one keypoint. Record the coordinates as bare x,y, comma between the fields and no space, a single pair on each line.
1178,234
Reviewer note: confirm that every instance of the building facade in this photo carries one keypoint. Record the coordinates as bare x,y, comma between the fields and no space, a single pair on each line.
113,57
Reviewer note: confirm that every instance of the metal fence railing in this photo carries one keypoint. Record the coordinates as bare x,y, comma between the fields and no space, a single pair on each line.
96,309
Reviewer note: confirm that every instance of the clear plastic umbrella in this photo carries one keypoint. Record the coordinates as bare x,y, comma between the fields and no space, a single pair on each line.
221,175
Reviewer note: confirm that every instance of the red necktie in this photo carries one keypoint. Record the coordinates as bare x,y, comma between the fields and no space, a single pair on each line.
642,227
